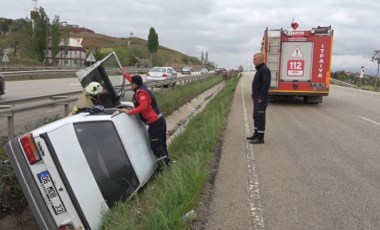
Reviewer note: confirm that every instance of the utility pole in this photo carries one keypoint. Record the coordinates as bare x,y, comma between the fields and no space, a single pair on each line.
376,60
34,12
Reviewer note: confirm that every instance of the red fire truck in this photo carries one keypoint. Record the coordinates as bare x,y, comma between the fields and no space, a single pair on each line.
300,62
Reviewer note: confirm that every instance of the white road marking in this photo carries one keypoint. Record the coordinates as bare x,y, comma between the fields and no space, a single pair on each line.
367,119
256,211
75,84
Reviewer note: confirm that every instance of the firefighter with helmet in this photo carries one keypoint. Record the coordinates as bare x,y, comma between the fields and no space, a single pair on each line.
89,99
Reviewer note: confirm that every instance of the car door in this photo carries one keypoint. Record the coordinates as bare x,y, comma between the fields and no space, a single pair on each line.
107,73
170,73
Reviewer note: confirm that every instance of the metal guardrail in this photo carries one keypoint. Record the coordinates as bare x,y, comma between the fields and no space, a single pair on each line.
8,73
10,110
49,100
342,83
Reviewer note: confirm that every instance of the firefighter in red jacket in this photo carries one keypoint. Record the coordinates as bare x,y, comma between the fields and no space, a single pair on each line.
147,108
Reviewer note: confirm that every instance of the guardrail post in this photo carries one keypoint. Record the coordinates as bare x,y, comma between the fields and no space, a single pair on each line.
10,121
11,126
65,103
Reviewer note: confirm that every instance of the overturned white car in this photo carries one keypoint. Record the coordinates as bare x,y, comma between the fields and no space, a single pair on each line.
74,169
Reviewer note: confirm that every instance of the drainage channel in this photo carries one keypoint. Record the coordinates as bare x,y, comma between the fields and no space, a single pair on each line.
178,120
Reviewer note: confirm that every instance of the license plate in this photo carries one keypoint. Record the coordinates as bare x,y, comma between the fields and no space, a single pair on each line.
51,192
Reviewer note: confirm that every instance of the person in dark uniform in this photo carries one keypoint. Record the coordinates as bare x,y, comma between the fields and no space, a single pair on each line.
260,87
147,108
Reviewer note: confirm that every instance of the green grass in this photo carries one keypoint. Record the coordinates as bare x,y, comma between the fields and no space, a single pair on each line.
176,190
371,88
175,97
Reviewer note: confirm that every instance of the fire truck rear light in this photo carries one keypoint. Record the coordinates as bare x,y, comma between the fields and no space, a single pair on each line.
66,227
30,149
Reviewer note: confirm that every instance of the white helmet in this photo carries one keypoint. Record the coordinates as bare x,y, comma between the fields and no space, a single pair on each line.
94,88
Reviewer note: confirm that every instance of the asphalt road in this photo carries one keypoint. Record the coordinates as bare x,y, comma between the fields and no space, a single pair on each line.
15,90
318,169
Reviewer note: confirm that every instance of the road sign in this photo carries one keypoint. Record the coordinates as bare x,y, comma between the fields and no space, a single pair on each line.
91,58
5,59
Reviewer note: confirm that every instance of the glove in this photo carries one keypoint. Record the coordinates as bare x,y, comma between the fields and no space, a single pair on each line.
98,108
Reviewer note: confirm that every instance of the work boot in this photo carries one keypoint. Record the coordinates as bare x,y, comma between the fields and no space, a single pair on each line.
253,137
167,161
257,141
164,160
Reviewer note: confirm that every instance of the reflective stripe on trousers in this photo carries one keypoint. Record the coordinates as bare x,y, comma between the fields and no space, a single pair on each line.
259,111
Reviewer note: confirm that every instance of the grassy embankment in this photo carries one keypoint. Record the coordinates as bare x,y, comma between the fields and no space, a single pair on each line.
12,199
176,190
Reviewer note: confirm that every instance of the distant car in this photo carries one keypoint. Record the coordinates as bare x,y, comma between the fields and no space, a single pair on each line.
161,74
204,71
186,70
73,170
2,85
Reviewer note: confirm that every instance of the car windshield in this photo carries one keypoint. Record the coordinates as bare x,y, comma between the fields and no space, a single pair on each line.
158,69
107,159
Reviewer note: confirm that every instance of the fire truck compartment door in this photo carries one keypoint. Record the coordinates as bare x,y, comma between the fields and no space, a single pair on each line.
296,61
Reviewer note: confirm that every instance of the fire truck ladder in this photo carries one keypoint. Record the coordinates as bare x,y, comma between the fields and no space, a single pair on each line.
273,60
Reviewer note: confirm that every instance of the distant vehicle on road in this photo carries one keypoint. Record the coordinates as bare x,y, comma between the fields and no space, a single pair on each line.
73,170
2,85
186,70
161,74
204,71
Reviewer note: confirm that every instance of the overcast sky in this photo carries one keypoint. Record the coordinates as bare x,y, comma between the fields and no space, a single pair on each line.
229,30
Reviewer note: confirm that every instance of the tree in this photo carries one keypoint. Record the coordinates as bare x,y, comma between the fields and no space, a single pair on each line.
152,43
5,25
152,40
15,46
376,60
55,37
40,33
